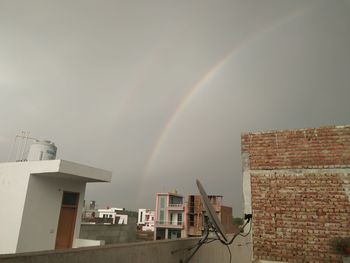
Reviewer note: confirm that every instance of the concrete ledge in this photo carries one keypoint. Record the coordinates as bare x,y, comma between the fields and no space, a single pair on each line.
60,169
171,251
79,242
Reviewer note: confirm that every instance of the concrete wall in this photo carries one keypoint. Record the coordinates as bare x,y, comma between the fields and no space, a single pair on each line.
13,189
42,210
297,184
31,195
111,234
167,251
87,243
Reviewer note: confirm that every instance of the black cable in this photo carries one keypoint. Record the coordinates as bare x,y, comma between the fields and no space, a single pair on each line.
250,228
229,251
205,240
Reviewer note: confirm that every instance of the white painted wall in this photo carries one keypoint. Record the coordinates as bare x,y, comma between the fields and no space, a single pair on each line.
123,220
247,192
31,196
42,209
113,213
147,224
13,188
141,216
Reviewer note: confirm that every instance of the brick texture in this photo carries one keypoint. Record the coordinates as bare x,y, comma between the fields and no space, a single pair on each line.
300,183
306,148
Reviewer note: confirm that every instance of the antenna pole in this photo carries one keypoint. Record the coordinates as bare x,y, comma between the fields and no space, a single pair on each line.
19,151
25,144
19,148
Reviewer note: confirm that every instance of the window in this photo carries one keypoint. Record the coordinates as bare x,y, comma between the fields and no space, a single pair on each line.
179,219
162,201
141,216
175,200
70,198
191,220
191,204
161,216
161,209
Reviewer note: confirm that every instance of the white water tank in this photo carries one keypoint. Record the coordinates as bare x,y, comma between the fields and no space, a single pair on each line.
42,150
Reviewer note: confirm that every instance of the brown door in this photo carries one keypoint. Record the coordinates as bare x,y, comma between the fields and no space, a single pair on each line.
66,222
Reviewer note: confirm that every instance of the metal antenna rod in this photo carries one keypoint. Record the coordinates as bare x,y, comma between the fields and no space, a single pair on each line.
19,147
25,145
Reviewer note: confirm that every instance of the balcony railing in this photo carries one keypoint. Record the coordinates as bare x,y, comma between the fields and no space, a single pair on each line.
176,206
167,224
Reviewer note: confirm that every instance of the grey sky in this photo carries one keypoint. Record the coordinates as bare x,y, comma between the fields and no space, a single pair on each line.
103,79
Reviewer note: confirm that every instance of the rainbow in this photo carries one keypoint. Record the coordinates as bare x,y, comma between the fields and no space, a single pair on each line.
199,85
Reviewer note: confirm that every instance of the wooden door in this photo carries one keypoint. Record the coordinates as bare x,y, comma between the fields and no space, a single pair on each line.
66,222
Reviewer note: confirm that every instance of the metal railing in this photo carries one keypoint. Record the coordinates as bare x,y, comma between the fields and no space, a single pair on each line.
177,206
169,223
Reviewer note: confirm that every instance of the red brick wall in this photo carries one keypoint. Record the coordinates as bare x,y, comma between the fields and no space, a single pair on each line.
297,207
226,219
305,148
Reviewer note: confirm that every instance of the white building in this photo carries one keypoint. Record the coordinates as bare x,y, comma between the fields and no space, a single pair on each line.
145,219
45,200
119,219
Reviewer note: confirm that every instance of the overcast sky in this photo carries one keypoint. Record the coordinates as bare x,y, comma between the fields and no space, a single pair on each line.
159,92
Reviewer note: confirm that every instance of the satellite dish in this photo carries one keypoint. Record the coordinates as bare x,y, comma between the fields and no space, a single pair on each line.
211,212
212,223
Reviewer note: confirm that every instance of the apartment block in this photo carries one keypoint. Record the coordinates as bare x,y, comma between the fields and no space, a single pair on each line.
170,212
195,214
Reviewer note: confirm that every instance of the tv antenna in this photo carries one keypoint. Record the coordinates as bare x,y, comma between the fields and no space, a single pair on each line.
213,224
19,147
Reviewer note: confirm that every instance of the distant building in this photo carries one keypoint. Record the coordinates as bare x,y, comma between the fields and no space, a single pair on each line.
145,219
89,212
45,199
194,215
103,229
114,214
170,211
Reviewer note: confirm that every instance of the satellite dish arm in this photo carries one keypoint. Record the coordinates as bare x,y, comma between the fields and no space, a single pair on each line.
248,217
201,242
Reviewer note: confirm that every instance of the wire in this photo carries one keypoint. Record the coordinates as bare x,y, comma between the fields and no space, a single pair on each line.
250,228
205,240
229,251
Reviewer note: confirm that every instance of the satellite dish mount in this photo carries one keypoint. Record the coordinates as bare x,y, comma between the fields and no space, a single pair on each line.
213,224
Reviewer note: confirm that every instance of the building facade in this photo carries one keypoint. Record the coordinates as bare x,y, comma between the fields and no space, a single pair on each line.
297,186
195,214
114,215
145,219
170,216
46,200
